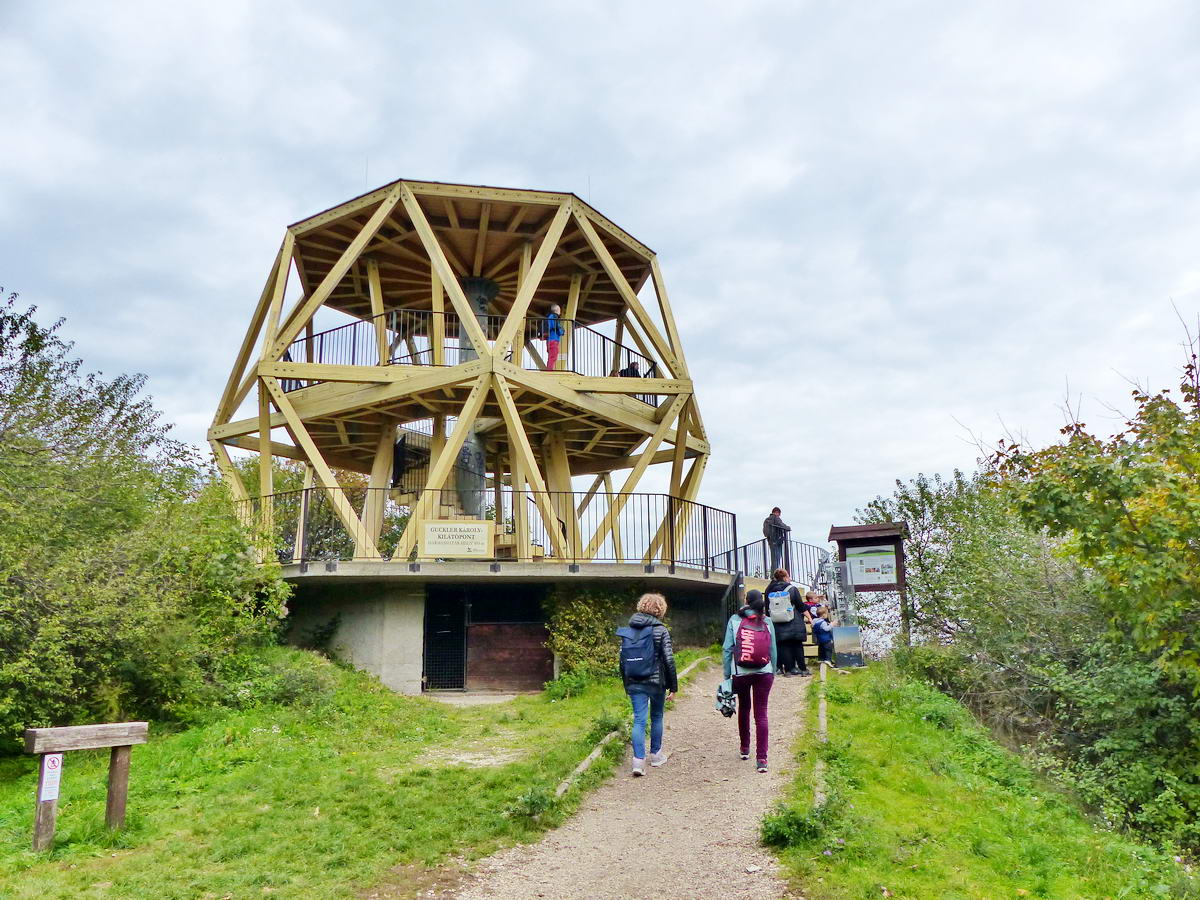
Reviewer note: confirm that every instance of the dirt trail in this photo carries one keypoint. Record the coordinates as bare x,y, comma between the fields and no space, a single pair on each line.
686,831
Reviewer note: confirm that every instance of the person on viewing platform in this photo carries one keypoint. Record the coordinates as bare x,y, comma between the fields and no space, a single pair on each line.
776,533
554,333
648,673
631,370
822,626
792,619
751,656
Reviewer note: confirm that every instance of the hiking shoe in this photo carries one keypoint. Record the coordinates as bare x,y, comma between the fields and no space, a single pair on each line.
639,766
744,755
786,674
804,673
762,767
657,759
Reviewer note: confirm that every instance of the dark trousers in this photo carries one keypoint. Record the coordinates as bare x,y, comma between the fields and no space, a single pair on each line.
791,656
777,556
752,692
825,652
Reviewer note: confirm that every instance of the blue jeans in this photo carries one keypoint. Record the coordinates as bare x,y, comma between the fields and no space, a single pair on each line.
654,704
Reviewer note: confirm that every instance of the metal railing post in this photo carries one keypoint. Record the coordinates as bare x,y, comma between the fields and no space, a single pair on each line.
704,532
671,529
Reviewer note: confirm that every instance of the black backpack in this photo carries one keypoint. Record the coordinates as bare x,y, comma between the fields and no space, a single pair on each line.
639,655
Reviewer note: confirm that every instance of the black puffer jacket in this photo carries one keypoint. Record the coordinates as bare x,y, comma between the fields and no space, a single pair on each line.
794,630
664,676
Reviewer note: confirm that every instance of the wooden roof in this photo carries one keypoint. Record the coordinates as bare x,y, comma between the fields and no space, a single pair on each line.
483,231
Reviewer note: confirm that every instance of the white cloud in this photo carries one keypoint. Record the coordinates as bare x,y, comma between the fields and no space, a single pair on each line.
882,227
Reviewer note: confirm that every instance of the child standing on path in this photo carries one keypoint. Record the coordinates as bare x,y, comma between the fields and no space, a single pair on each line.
751,657
648,673
823,631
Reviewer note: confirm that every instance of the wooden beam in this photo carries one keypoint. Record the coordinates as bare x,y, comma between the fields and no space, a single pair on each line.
228,405
302,515
618,549
631,301
334,277
379,482
664,308
635,475
481,240
680,451
631,386
325,400
439,470
266,474
519,442
438,302
337,497
441,266
85,737
376,292
229,472
558,480
530,281
281,280
570,313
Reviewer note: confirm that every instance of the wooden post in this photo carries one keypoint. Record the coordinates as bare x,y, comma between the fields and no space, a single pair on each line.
118,786
51,743
46,801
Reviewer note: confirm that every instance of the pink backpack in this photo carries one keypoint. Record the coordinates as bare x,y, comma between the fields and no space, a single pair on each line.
752,644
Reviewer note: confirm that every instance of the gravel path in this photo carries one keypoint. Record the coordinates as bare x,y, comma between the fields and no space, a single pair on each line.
686,831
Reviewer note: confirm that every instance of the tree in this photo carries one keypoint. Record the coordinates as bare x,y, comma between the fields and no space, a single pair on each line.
125,581
1129,507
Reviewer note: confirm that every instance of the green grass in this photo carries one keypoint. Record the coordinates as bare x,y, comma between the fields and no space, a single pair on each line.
315,800
924,805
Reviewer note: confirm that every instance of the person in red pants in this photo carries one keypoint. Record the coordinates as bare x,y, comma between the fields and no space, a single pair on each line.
751,658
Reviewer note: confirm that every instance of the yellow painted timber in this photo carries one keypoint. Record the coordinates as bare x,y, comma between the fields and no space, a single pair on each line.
531,280
337,497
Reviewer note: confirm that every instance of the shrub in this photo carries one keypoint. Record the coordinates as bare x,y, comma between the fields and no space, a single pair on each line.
582,623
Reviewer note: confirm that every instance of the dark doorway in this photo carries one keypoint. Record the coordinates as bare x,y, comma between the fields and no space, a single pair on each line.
445,639
489,637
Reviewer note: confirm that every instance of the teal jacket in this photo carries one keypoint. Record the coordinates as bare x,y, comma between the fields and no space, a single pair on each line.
731,635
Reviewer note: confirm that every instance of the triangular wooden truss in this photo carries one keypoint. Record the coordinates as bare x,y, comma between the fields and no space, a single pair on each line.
409,249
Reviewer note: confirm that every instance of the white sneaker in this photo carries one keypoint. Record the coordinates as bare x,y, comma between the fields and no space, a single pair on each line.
639,766
657,759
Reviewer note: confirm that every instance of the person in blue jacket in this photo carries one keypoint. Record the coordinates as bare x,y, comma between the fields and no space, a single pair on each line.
822,629
752,685
554,333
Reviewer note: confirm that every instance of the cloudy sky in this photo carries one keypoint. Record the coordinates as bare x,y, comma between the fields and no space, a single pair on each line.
885,226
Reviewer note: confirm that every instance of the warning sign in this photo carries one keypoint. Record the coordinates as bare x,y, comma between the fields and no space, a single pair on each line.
51,776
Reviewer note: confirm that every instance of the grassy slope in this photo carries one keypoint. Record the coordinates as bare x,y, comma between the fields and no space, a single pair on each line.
925,806
315,801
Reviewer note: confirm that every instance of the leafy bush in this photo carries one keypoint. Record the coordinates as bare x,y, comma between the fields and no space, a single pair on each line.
125,581
1012,624
582,623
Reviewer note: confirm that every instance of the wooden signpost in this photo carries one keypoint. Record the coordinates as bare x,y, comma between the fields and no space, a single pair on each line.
51,743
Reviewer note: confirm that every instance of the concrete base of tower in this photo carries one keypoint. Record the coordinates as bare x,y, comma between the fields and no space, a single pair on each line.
471,626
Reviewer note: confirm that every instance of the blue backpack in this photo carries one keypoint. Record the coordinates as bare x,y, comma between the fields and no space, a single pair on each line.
639,657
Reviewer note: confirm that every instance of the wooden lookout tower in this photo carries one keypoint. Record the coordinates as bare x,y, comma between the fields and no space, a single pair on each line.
479,368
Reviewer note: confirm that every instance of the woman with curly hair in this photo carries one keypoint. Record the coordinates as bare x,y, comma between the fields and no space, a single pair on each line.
648,673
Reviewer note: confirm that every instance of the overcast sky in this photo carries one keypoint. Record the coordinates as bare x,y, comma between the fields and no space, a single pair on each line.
884,226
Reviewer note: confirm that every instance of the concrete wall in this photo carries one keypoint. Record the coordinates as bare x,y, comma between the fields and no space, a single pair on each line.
381,627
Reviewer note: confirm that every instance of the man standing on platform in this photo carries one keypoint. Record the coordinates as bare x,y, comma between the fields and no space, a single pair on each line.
776,533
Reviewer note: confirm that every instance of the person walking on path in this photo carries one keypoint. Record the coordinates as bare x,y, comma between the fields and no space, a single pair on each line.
823,633
791,618
648,673
554,333
751,657
776,533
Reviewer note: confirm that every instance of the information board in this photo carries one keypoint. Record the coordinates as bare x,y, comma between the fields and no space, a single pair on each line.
458,539
872,565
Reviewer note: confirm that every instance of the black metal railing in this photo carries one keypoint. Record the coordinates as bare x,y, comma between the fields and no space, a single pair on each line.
804,562
562,526
411,337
